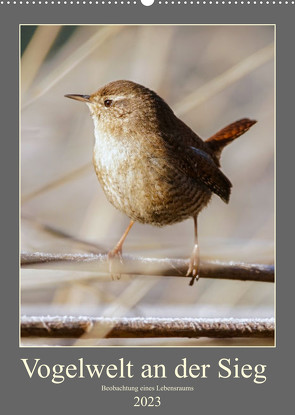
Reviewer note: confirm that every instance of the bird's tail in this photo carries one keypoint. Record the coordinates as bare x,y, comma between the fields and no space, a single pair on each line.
218,141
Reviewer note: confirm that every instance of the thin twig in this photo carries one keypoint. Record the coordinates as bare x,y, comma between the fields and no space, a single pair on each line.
73,327
148,266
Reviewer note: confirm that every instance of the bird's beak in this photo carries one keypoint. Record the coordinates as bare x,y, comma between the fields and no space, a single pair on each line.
83,98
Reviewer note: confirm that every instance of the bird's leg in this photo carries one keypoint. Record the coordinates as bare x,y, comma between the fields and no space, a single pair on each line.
117,251
193,268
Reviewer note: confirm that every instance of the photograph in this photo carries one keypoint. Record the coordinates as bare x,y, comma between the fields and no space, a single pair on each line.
147,185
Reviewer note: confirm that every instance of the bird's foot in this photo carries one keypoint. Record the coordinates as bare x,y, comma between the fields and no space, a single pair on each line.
194,266
116,253
114,257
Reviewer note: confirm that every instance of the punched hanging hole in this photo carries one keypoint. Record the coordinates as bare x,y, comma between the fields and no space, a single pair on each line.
147,2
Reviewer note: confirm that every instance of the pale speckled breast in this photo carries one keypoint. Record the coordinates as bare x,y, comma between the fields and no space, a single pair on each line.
145,189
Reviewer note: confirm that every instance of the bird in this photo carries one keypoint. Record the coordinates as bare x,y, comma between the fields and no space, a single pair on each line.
150,164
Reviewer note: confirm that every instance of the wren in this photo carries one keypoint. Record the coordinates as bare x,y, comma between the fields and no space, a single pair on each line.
150,164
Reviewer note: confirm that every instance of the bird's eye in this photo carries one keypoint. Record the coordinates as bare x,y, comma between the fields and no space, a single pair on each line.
108,102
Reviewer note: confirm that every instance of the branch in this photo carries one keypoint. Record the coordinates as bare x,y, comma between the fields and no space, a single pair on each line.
148,266
73,327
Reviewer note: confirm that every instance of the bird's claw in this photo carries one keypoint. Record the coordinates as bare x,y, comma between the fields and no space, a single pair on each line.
115,253
193,269
113,256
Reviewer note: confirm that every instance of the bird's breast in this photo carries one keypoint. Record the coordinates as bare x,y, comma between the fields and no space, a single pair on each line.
143,186
118,165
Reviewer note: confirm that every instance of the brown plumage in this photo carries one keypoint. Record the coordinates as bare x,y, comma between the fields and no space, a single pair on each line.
150,164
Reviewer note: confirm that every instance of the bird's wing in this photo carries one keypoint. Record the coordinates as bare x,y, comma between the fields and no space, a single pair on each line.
200,166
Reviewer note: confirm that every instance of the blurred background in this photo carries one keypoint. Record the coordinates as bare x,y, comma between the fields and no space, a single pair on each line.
210,76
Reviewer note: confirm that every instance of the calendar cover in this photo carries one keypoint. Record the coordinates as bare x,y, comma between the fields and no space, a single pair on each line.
143,160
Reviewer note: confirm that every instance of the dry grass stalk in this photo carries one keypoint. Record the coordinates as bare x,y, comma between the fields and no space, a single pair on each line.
102,35
36,52
224,80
